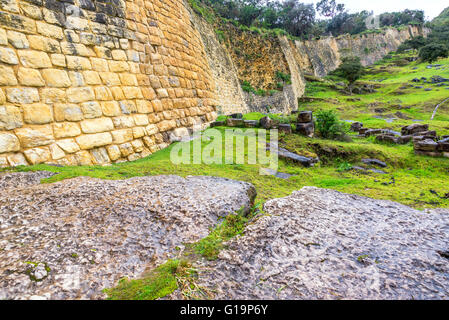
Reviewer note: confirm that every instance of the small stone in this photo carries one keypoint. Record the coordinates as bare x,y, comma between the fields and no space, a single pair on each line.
305,117
375,162
266,123
306,129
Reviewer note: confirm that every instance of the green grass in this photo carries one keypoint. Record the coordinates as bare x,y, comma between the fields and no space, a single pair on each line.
158,283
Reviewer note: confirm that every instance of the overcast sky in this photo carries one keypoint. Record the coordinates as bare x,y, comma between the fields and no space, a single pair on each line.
431,8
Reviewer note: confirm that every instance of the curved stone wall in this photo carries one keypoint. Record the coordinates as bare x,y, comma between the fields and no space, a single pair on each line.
93,82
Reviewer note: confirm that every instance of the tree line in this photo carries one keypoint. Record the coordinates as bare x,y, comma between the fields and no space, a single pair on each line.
305,20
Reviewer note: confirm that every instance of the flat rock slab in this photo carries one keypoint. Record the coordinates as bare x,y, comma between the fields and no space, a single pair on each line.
323,244
73,238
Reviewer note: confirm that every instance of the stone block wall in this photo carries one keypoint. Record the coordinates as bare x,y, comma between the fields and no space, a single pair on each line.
93,82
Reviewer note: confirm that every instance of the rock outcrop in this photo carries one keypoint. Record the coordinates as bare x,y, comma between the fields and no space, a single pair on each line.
323,244
71,239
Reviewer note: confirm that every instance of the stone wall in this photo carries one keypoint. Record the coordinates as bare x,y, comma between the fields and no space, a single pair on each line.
92,82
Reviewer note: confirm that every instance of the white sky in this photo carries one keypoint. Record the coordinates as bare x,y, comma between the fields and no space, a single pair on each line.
432,8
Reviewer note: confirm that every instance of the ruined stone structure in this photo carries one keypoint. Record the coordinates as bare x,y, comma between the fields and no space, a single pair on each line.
91,82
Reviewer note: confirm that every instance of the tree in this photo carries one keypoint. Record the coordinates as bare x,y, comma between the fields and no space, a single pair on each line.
433,51
350,69
329,8
297,18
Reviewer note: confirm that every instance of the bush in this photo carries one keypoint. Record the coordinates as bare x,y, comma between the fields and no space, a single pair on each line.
433,51
328,125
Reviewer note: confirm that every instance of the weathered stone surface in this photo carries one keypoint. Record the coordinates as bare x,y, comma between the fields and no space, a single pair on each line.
35,136
356,126
10,117
8,142
90,141
426,145
387,138
375,162
285,128
37,113
322,244
90,233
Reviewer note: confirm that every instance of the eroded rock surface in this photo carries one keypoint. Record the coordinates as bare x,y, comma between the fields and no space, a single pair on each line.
322,244
73,238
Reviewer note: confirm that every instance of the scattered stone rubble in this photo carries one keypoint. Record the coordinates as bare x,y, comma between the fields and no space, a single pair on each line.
71,239
323,244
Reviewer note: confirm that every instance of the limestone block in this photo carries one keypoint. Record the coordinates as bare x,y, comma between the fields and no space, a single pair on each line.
66,130
77,95
132,92
114,152
138,132
117,92
91,109
118,66
3,38
41,43
58,60
77,79
8,56
53,95
103,93
128,106
22,95
67,112
152,129
126,149
31,11
68,145
141,119
78,63
83,158
110,108
128,79
100,156
92,77
137,145
2,97
37,113
123,122
56,152
119,55
97,125
110,78
18,40
35,136
17,159
8,142
37,155
166,125
90,141
122,136
10,117
7,77
56,78
3,162
17,22
100,65
49,30
144,106
34,59
30,77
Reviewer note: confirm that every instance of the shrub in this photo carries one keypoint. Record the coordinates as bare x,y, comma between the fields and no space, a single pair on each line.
433,51
328,125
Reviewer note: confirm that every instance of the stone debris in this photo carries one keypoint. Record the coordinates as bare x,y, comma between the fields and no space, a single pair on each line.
305,125
323,244
71,239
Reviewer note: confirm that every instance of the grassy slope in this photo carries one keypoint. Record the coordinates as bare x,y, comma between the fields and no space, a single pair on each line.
414,103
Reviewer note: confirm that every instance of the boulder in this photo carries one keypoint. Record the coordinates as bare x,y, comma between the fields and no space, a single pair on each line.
414,128
387,138
232,122
89,233
375,162
305,117
306,129
426,145
404,139
322,244
356,126
217,124
266,123
285,127
250,123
